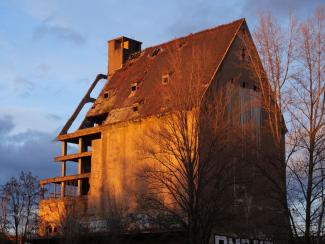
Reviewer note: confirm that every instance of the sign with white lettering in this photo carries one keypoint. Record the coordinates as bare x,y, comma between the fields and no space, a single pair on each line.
237,240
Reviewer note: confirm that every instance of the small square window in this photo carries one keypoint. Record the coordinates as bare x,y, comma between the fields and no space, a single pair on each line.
135,108
244,84
106,95
165,79
126,45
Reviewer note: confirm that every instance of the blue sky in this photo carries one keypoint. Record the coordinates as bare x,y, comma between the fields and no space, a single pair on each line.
51,50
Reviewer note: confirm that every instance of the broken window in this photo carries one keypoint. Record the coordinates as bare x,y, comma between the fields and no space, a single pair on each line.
165,79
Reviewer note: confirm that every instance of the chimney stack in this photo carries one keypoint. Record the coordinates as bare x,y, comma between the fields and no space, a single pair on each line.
119,50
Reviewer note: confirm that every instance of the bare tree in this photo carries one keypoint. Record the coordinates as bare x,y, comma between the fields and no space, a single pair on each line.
307,111
69,224
274,68
20,203
188,176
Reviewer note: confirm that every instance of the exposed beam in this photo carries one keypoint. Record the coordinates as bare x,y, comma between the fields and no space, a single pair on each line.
64,179
72,157
74,137
85,99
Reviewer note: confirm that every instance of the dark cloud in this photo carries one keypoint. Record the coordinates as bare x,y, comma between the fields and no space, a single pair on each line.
52,29
30,151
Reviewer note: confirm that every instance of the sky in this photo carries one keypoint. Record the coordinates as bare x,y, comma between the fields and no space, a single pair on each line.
51,51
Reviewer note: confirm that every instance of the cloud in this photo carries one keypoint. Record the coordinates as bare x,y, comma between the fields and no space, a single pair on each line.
52,116
52,29
29,151
23,85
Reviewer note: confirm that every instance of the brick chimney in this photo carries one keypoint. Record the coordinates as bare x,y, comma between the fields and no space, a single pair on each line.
119,50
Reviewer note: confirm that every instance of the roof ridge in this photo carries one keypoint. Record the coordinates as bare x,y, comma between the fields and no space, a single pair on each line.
195,33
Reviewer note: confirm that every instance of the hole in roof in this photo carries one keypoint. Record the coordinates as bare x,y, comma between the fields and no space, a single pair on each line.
155,52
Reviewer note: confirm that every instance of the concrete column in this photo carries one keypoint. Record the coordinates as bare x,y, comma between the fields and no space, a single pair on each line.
63,169
80,164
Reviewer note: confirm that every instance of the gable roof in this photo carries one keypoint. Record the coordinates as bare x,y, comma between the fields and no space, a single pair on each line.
146,69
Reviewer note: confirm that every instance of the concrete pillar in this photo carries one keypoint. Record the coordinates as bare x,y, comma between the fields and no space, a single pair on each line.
81,146
63,169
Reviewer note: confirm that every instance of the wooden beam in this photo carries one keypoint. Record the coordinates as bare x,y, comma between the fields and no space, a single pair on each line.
72,157
64,179
74,137
85,100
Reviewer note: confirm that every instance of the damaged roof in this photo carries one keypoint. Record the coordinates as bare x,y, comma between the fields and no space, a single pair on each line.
139,88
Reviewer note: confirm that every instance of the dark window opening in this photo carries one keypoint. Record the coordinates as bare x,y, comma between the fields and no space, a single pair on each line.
86,165
98,119
243,53
49,229
134,87
155,52
55,229
106,95
232,80
84,187
135,108
244,84
255,88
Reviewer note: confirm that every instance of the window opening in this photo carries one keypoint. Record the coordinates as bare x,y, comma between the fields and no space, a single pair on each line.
165,79
135,108
126,45
244,84
134,87
106,95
